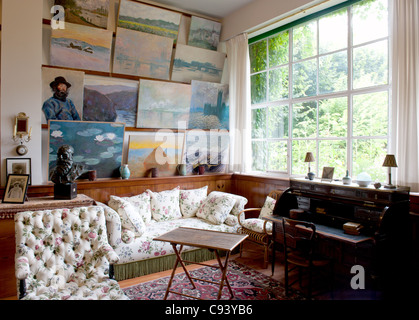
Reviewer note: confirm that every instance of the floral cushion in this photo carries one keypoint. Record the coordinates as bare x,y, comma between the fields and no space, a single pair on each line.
268,208
239,203
191,200
256,225
216,207
130,218
140,202
165,204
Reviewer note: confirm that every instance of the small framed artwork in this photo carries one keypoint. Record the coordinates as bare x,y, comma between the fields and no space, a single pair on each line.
328,173
19,166
16,187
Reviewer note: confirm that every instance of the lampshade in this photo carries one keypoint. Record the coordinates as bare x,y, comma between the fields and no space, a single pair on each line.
390,161
309,157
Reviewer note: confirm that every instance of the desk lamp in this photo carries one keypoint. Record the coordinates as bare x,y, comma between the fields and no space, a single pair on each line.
309,158
390,162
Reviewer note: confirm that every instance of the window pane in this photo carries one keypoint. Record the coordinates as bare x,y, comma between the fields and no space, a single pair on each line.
299,150
258,123
333,117
258,87
370,114
370,21
333,72
305,41
278,122
368,156
258,56
259,155
278,83
304,78
277,160
278,49
371,65
333,31
332,153
304,120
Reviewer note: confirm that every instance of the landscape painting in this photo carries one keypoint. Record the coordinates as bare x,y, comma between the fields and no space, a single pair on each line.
208,148
204,33
92,13
110,100
81,47
209,106
162,150
149,19
97,145
163,104
193,63
142,54
75,94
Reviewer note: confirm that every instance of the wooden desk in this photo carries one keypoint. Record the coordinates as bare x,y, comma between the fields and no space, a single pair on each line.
211,240
7,234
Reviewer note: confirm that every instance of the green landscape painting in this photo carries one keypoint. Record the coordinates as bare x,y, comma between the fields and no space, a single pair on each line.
204,33
92,13
149,19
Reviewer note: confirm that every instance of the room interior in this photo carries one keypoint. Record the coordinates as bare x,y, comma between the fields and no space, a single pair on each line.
25,56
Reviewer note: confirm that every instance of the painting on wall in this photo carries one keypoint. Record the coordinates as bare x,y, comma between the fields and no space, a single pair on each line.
191,63
208,148
163,104
142,54
97,145
162,150
92,13
81,47
148,19
204,33
110,100
75,91
209,106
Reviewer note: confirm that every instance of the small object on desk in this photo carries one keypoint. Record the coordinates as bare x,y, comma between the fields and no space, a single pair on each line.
346,180
377,185
352,228
294,213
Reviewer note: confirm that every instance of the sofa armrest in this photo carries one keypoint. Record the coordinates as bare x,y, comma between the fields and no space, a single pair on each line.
113,225
109,253
21,267
243,214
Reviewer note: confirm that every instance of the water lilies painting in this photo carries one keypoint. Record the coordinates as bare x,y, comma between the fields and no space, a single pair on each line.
97,145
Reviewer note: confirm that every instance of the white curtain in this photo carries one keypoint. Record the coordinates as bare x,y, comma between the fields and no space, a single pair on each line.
405,95
239,94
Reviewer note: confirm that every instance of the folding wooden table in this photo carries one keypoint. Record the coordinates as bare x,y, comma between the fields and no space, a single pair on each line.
211,240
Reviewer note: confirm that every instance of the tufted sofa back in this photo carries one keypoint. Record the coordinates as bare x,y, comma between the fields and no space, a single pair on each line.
54,247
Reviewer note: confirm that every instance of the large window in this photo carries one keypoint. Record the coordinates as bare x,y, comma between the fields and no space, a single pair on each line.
323,86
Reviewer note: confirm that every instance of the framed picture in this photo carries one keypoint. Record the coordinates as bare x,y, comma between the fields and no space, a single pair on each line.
16,187
328,173
19,166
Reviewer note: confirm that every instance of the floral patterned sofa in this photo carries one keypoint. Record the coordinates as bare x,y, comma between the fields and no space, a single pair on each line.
133,223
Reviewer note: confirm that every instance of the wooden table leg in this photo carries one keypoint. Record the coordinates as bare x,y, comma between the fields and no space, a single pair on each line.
224,275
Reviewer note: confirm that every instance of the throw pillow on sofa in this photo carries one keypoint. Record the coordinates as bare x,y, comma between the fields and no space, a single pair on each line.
130,219
239,202
140,202
191,200
216,207
165,204
268,207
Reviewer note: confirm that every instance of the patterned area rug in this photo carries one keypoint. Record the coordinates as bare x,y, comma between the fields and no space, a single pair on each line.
246,283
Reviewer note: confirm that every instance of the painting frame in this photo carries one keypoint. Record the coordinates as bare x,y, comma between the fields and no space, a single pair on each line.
16,164
327,174
204,33
21,190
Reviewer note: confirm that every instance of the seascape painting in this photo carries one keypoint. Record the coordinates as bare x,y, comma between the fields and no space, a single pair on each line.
204,33
208,148
75,92
142,54
97,145
163,104
92,13
191,63
110,100
81,47
162,150
209,106
149,19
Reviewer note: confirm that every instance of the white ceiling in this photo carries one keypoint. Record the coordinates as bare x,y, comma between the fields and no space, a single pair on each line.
213,8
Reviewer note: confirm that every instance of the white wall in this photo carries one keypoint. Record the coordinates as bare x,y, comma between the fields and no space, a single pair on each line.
21,56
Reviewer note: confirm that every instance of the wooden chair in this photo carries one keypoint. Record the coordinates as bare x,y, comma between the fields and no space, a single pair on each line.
258,229
299,251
